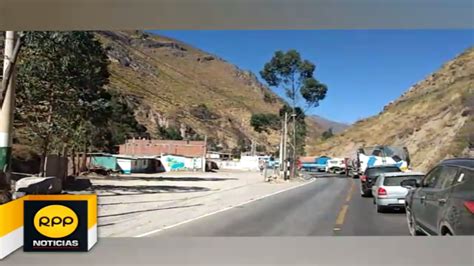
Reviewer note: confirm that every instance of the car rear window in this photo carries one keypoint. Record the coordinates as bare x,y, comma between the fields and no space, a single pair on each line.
396,180
381,170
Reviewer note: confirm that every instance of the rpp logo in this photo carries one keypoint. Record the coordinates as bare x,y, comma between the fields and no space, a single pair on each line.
55,221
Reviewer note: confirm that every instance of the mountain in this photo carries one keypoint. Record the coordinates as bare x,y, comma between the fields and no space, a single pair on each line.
433,119
175,88
326,124
170,84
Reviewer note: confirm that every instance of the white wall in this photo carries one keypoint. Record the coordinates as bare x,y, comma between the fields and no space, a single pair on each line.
213,156
179,163
245,163
125,165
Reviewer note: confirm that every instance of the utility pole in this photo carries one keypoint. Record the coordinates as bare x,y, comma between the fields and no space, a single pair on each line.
204,154
252,153
293,157
293,172
280,153
6,115
285,152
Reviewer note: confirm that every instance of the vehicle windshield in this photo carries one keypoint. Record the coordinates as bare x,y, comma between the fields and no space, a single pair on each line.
377,171
396,180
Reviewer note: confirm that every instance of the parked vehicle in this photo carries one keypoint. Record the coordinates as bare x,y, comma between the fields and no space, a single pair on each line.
370,175
380,155
443,203
336,165
319,164
388,192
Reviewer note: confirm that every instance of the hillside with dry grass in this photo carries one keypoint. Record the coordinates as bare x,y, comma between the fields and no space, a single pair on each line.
327,124
433,119
171,84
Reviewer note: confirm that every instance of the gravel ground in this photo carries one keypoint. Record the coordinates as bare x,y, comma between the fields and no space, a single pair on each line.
132,205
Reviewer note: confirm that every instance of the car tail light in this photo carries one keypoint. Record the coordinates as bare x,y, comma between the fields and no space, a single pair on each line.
470,206
381,192
363,178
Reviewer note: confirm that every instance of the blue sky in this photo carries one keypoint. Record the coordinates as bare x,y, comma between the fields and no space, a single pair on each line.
363,69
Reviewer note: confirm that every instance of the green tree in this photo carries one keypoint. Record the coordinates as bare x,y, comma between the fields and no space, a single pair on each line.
287,70
120,126
243,144
264,122
52,87
327,134
300,126
169,133
62,99
261,148
295,75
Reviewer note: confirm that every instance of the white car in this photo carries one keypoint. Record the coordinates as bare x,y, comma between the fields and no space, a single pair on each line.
387,191
336,165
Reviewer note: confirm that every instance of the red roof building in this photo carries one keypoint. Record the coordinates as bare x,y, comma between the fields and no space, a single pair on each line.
145,147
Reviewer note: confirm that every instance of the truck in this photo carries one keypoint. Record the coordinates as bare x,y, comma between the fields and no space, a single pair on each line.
380,155
319,164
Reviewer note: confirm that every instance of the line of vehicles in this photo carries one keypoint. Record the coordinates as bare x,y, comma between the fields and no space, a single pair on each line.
365,157
320,164
326,164
440,202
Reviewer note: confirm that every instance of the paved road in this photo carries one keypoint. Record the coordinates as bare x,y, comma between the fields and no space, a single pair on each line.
329,206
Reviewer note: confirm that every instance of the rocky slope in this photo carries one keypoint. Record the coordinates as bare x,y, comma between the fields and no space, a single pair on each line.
433,118
171,84
328,124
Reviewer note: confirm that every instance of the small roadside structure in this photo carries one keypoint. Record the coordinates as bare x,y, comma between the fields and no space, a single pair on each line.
156,147
173,162
104,161
126,164
174,155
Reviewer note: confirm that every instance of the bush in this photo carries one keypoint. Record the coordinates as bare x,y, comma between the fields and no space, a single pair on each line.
268,97
169,133
264,122
202,112
327,134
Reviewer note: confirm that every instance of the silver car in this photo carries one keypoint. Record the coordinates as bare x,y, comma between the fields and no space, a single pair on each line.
387,191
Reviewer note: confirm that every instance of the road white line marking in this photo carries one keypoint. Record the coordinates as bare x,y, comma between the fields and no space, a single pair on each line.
223,210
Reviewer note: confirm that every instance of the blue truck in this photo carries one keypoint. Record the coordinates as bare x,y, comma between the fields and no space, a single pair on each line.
319,164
